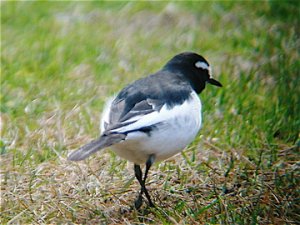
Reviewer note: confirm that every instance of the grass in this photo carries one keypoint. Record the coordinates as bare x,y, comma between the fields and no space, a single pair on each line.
60,61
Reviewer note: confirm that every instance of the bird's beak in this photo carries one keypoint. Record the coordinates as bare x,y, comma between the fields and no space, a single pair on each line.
214,82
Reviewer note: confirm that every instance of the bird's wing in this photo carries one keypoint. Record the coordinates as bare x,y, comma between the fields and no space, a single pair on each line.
139,110
150,119
144,97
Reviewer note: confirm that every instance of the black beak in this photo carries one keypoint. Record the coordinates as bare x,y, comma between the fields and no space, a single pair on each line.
214,82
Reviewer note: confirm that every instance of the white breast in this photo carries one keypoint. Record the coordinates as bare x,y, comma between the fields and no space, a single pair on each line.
177,127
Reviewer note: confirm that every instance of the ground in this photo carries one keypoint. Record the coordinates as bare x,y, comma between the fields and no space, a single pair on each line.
60,61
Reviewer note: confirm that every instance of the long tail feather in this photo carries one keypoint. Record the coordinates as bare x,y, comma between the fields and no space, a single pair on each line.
95,145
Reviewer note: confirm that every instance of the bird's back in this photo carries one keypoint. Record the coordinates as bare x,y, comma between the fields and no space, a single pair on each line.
159,88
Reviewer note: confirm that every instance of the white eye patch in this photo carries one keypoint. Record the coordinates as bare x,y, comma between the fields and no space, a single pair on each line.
202,65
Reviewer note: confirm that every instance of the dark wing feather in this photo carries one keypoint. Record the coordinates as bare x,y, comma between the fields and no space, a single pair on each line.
141,108
147,95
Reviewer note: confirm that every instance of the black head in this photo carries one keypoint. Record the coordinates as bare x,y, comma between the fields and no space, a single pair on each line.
194,68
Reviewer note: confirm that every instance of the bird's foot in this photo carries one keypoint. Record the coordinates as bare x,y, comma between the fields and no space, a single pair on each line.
138,202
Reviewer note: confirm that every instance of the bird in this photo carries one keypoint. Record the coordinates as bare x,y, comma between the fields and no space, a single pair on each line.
154,117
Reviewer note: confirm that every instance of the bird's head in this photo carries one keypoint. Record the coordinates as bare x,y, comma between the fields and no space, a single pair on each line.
194,68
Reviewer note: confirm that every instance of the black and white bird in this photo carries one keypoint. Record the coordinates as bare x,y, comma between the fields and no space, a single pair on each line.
154,117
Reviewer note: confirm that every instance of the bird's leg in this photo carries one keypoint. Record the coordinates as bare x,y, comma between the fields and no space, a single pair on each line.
149,163
138,174
139,177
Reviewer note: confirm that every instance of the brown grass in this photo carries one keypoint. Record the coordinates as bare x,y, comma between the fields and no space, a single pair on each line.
102,190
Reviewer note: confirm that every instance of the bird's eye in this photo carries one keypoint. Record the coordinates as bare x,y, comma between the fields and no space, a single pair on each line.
202,65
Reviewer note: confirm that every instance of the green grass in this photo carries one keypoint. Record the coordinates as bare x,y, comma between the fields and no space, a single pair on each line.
60,61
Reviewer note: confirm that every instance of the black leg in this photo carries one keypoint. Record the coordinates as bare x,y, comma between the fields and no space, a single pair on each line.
149,163
139,177
138,174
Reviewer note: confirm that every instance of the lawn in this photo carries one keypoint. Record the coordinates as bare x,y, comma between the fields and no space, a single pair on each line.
60,61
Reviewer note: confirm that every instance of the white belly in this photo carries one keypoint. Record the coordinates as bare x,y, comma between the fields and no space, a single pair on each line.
178,128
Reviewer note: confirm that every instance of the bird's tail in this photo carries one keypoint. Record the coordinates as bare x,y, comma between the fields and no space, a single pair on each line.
96,145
